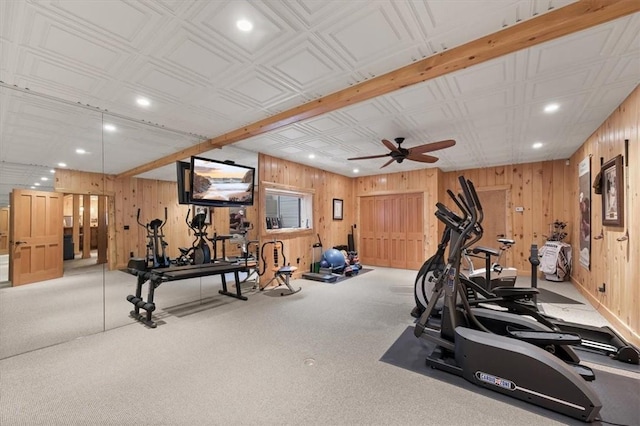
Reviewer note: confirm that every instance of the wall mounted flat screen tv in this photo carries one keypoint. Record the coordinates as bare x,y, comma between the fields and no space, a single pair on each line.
183,170
221,184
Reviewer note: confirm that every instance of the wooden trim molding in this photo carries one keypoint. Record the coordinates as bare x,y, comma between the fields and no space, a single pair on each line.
280,186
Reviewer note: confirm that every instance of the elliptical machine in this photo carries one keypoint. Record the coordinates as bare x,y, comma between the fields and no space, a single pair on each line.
505,352
199,252
156,256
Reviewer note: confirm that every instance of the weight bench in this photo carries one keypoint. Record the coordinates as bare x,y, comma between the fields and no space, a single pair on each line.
161,275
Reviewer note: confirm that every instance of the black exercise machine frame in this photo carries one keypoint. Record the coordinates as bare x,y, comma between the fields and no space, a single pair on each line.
156,277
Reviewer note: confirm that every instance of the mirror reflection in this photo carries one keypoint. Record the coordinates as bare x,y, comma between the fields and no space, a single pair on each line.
102,220
50,271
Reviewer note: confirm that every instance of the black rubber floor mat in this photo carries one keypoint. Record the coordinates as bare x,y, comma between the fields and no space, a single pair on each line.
548,296
619,394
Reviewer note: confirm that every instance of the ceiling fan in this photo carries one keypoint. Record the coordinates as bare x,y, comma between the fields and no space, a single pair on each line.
417,153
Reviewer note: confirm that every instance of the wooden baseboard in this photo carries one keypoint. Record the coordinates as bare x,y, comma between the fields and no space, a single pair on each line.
625,331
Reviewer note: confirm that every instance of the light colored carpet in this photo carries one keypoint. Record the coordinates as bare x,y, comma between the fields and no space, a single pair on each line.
309,358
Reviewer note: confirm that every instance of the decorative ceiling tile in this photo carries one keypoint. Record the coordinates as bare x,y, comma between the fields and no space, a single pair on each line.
559,85
305,65
205,77
120,19
161,81
291,133
196,56
72,46
367,34
570,51
260,90
58,74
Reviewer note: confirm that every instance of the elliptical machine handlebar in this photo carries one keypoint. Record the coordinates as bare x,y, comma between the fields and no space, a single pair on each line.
449,213
448,221
165,220
455,200
467,193
476,200
149,225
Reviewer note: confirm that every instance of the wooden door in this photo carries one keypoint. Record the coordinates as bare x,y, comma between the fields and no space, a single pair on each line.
397,218
415,231
494,205
4,230
35,242
392,230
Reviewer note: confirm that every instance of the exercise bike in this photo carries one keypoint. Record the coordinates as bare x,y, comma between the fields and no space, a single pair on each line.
493,273
156,255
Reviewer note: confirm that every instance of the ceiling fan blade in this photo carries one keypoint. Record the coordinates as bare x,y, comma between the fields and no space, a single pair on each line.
389,145
387,163
369,156
433,146
423,158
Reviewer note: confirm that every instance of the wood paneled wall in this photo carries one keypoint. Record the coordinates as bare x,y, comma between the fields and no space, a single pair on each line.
326,186
151,197
613,262
75,182
541,188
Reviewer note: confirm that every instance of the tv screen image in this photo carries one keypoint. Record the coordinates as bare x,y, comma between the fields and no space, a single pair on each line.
219,183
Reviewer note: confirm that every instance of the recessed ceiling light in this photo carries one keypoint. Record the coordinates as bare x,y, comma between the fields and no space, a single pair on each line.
37,184
143,102
356,170
244,25
551,108
62,164
312,156
110,127
80,151
537,145
32,187
44,178
52,171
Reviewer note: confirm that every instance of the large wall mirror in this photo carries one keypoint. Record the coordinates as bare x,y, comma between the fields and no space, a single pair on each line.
44,138
51,283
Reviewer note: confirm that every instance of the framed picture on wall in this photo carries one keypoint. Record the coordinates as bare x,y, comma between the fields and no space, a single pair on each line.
613,193
337,209
203,209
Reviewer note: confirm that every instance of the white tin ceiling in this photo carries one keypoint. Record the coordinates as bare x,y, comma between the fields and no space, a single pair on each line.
204,78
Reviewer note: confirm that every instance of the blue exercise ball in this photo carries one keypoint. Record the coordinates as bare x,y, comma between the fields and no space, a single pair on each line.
334,257
324,264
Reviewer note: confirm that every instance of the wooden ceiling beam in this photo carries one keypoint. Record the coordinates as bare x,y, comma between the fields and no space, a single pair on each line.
558,23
